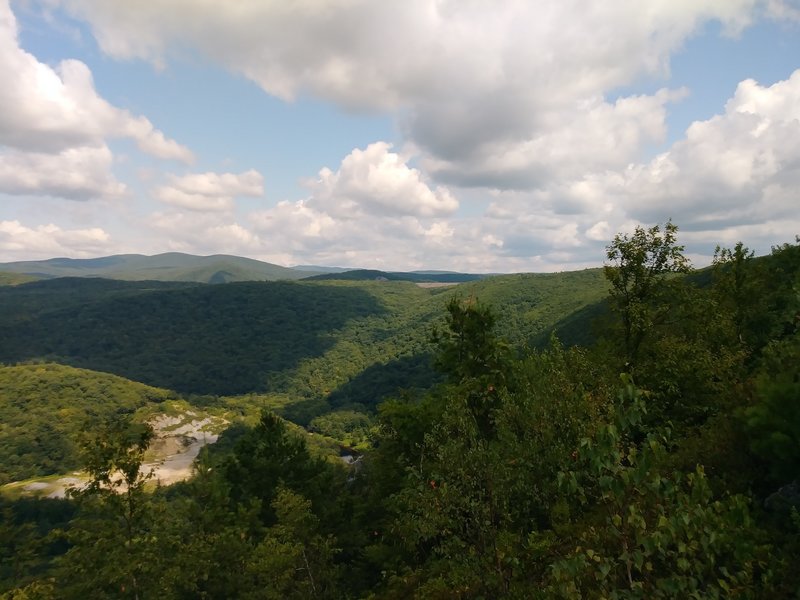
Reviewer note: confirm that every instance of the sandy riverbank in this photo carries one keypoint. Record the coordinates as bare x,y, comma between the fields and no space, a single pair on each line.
171,455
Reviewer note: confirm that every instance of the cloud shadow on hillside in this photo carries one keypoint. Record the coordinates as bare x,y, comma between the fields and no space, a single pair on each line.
223,339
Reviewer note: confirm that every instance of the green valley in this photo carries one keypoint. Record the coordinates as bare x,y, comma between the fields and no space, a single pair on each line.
626,432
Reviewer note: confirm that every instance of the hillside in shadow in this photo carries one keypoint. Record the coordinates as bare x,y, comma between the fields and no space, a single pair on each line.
209,339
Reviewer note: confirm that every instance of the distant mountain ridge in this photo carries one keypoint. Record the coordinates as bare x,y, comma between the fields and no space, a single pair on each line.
216,268
415,276
170,266
306,342
318,269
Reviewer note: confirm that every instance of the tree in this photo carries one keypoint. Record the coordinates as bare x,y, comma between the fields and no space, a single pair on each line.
469,348
741,290
473,500
638,273
294,560
653,533
114,550
210,540
473,358
268,457
773,421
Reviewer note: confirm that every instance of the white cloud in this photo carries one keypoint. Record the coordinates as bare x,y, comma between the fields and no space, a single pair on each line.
21,242
482,89
512,101
732,177
358,52
375,205
742,166
79,173
49,110
343,223
54,126
202,233
600,232
783,10
590,136
377,181
210,191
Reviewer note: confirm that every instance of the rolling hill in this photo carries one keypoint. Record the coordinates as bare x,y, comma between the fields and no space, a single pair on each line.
46,406
15,278
171,266
319,345
415,276
218,268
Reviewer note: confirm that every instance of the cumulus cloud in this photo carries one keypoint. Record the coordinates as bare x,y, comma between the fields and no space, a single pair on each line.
592,135
377,181
307,235
737,167
46,241
482,88
49,109
783,10
54,126
731,177
203,233
518,101
358,52
373,206
77,173
375,211
210,191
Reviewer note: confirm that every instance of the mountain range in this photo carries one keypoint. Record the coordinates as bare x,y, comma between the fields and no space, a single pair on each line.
217,268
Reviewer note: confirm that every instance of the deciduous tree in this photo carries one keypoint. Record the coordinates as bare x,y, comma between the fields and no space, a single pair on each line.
638,271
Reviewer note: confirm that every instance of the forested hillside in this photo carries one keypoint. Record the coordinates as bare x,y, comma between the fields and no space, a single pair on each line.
171,266
354,341
14,278
659,462
46,407
373,275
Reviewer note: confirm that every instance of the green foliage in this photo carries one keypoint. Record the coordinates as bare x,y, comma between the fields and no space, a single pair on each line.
473,358
15,278
475,496
656,534
638,270
116,526
18,547
211,339
25,303
170,266
522,475
737,285
26,542
43,408
270,457
529,306
294,560
691,364
207,539
381,381
469,347
352,342
113,458
352,428
773,421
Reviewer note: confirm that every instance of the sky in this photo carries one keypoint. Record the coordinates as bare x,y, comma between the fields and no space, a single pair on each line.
469,135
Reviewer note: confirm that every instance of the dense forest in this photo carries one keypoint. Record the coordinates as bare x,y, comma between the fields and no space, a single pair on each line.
626,433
